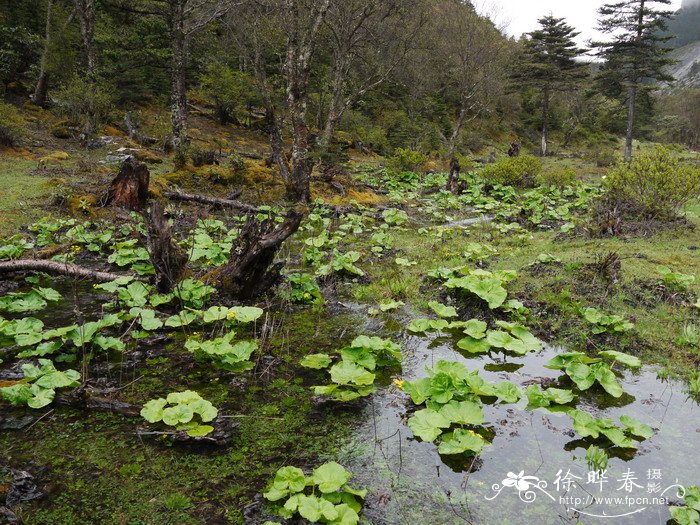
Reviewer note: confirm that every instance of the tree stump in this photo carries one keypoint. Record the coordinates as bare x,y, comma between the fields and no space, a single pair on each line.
453,178
514,149
251,270
129,189
167,257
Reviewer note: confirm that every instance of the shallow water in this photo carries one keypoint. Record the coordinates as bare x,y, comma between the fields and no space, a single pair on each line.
409,482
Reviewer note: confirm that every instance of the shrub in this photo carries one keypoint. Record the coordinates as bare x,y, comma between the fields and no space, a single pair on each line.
406,159
514,171
230,89
10,125
203,157
558,178
654,185
85,102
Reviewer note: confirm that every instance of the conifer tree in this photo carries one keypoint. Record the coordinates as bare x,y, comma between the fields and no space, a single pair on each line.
549,64
635,55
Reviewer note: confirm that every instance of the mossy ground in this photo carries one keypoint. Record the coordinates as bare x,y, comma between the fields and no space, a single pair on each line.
97,471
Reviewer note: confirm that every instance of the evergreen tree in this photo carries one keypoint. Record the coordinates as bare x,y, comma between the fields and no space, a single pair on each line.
549,64
635,56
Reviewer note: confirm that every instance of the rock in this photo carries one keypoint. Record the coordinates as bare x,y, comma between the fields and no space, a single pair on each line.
23,487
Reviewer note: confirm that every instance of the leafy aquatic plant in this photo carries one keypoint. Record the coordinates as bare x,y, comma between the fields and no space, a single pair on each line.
513,337
353,377
179,410
596,458
35,299
588,426
688,514
537,397
488,286
603,323
676,280
304,289
451,394
38,388
225,353
585,371
394,216
341,263
323,497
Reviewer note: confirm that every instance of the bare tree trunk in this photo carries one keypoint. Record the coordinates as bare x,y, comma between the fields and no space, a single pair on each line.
452,144
178,42
631,112
335,108
545,121
42,83
86,18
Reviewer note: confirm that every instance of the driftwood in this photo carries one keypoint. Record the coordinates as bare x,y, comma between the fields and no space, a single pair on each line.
169,260
251,270
57,268
129,189
212,201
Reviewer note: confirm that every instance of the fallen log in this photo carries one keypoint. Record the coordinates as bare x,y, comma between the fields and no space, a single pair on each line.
212,201
57,268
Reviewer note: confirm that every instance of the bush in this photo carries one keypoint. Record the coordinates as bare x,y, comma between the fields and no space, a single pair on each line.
519,171
406,159
230,89
559,178
10,125
654,185
85,102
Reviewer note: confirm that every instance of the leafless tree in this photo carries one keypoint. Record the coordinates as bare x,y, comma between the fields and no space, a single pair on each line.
369,39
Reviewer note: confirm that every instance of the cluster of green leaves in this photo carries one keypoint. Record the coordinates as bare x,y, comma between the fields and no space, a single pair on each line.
304,289
675,280
179,410
596,459
341,263
29,332
452,396
655,184
588,426
604,323
488,286
513,337
586,371
38,388
35,299
353,376
538,398
129,254
688,514
477,252
226,354
323,497
14,247
394,217
210,242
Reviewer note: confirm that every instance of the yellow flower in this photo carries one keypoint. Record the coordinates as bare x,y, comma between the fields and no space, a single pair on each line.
231,315
307,295
399,383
